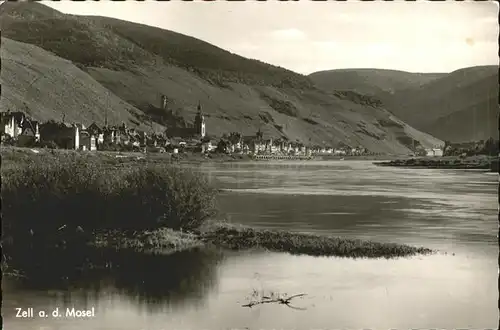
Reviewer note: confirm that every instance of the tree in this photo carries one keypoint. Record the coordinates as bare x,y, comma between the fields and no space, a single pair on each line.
234,137
222,145
491,147
446,144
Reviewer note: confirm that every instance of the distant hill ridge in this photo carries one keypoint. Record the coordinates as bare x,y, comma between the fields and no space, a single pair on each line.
87,66
458,106
371,81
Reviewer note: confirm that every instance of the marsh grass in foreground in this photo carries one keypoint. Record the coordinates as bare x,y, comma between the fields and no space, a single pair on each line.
47,197
241,238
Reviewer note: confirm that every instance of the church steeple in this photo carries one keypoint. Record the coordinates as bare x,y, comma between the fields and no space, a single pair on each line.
259,134
199,122
164,101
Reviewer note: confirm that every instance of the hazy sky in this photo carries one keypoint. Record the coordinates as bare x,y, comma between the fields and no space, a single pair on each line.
307,36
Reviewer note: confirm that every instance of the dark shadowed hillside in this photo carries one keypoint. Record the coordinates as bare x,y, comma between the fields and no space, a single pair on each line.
137,64
459,106
370,81
462,106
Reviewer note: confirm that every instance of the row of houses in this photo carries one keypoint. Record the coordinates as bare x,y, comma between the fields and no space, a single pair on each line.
256,144
27,132
18,127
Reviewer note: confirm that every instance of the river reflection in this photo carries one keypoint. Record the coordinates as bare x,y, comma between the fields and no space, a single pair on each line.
151,281
452,211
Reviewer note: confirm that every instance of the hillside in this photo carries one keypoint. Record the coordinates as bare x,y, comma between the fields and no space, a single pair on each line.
114,44
459,106
136,64
47,87
370,81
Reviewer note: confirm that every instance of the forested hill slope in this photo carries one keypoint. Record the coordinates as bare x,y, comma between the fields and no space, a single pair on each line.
46,87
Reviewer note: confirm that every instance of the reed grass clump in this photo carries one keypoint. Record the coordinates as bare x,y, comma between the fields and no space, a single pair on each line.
47,195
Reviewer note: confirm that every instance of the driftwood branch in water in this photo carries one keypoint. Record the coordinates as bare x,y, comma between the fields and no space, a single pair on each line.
283,301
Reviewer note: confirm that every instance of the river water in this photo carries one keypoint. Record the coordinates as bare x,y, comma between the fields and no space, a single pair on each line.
453,211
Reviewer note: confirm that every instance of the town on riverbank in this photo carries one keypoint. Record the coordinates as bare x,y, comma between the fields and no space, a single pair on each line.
191,143
19,130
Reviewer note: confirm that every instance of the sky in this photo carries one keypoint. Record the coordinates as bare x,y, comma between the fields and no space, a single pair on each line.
307,36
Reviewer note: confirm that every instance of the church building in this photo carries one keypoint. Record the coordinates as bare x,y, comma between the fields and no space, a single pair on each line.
197,130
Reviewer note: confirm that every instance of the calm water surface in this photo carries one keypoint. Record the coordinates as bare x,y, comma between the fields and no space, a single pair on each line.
453,211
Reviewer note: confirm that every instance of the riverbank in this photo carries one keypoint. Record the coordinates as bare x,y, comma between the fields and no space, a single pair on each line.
447,162
14,156
362,157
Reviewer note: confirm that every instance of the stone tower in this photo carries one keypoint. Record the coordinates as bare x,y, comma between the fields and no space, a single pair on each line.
199,123
164,101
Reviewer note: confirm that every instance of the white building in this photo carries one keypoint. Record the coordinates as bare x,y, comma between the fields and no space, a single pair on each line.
434,152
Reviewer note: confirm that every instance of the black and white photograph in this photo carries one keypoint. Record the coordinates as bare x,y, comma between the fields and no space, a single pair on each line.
249,165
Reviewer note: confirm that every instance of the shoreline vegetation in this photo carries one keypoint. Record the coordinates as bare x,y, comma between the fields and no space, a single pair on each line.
447,162
65,201
19,154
